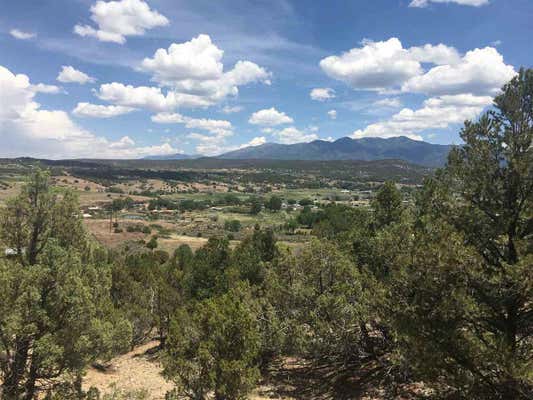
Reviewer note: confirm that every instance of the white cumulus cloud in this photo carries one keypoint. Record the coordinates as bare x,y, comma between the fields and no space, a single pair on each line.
211,125
44,88
269,117
458,86
189,74
216,145
194,71
386,65
480,71
100,111
148,97
117,19
256,141
197,59
21,35
332,114
436,113
375,66
322,94
28,130
435,54
291,135
69,74
231,109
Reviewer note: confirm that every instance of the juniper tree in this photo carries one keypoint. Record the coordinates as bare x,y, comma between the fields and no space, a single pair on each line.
464,295
213,347
55,310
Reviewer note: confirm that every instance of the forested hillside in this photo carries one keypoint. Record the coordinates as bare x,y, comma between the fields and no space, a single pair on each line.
438,292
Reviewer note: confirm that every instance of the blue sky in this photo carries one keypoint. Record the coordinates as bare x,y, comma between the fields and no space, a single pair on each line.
129,78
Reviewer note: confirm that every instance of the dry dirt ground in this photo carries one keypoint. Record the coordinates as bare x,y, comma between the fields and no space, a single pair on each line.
140,370
290,379
100,229
132,371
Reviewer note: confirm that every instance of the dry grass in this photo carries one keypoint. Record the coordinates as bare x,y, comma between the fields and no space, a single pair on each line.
176,240
100,229
76,183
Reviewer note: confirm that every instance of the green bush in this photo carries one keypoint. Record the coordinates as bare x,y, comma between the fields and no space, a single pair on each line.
233,225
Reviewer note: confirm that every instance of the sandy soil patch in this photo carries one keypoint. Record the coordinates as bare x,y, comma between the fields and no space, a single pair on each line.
140,370
132,371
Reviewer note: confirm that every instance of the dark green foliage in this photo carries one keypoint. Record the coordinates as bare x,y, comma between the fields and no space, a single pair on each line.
305,202
273,203
138,228
152,243
216,339
387,205
265,243
256,204
231,199
114,189
55,310
34,217
161,256
328,287
233,225
134,283
335,220
183,255
190,205
291,226
465,296
308,217
214,346
205,276
119,204
251,255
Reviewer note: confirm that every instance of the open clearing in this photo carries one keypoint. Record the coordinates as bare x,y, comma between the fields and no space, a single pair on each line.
132,371
140,370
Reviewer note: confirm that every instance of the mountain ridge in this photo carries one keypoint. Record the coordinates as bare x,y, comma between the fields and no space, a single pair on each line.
345,148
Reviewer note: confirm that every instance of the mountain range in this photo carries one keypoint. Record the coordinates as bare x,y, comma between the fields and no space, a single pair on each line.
365,149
